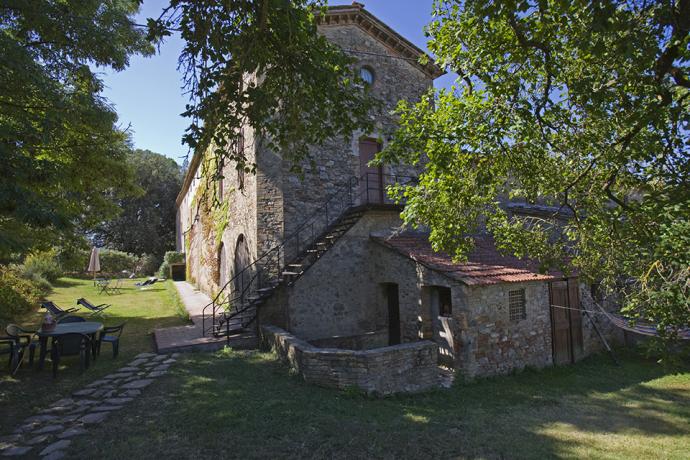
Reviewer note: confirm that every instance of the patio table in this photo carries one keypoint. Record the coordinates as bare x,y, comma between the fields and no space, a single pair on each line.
90,328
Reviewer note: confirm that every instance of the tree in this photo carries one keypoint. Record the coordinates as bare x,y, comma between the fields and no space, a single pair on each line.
578,104
146,224
62,155
262,64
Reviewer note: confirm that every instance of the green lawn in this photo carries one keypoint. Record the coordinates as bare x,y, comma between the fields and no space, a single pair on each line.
247,405
142,310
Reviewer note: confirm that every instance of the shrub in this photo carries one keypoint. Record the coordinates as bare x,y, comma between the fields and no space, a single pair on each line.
17,294
113,261
170,257
42,265
148,263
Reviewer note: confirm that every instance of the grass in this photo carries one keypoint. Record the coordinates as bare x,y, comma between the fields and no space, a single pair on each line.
142,310
247,405
240,405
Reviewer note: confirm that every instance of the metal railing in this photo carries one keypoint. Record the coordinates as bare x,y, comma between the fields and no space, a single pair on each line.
243,291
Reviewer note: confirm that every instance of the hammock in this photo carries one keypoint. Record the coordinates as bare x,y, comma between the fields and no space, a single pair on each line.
640,327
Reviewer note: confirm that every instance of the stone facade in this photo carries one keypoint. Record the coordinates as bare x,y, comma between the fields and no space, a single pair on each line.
275,201
407,367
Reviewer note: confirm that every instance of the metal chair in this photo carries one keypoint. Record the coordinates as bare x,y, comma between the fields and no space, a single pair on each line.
95,309
55,310
114,338
8,346
23,339
70,345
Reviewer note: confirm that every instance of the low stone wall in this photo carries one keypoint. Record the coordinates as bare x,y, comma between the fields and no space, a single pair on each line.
375,339
408,367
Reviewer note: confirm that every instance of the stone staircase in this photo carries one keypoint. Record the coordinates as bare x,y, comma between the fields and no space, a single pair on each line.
191,337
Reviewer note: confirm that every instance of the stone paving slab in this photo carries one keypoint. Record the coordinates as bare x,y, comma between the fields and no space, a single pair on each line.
49,433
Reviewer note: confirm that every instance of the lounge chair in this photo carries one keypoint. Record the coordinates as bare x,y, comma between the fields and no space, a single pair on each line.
111,334
23,340
148,282
55,310
94,309
71,319
70,345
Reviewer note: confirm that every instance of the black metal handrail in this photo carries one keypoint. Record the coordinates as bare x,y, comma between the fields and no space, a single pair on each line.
345,196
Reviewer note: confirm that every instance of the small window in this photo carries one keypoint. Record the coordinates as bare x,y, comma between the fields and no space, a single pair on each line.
445,304
516,305
367,75
239,146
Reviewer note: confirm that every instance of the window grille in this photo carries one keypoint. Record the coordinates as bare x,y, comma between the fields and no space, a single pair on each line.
516,305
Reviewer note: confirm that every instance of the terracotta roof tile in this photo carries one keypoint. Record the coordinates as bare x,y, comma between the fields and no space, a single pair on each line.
485,264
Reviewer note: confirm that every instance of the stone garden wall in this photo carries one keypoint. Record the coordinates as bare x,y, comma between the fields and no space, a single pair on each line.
409,367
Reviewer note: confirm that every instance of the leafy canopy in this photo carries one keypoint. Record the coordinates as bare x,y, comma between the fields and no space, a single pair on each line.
580,105
262,64
146,223
62,155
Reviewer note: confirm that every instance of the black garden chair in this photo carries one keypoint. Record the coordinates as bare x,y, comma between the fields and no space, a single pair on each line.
23,340
70,345
94,309
111,334
8,346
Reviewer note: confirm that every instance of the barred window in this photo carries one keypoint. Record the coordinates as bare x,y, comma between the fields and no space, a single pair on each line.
516,305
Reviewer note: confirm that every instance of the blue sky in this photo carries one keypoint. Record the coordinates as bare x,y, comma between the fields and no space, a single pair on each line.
148,97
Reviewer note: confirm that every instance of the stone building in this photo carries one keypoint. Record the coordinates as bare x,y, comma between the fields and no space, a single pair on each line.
322,259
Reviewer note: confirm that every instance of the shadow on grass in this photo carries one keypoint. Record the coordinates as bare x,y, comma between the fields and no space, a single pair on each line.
31,390
65,283
250,402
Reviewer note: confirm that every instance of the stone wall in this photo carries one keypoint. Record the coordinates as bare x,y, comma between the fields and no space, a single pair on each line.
335,296
496,345
367,341
409,367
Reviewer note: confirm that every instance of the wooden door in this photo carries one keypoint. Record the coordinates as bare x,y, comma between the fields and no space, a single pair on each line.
371,178
560,323
393,313
566,321
575,318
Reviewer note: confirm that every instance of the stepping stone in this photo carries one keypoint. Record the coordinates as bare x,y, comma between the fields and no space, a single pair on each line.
117,401
151,364
11,438
41,418
138,362
110,394
79,410
84,392
55,455
69,418
124,375
160,358
15,451
63,402
27,427
137,384
106,408
155,374
145,355
97,383
169,361
70,432
175,355
94,417
49,429
57,445
131,393
127,369
86,402
37,439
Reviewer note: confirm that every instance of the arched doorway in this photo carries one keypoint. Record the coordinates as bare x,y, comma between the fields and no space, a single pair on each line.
242,261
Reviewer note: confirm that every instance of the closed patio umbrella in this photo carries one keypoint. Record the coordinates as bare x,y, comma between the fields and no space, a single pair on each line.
94,263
